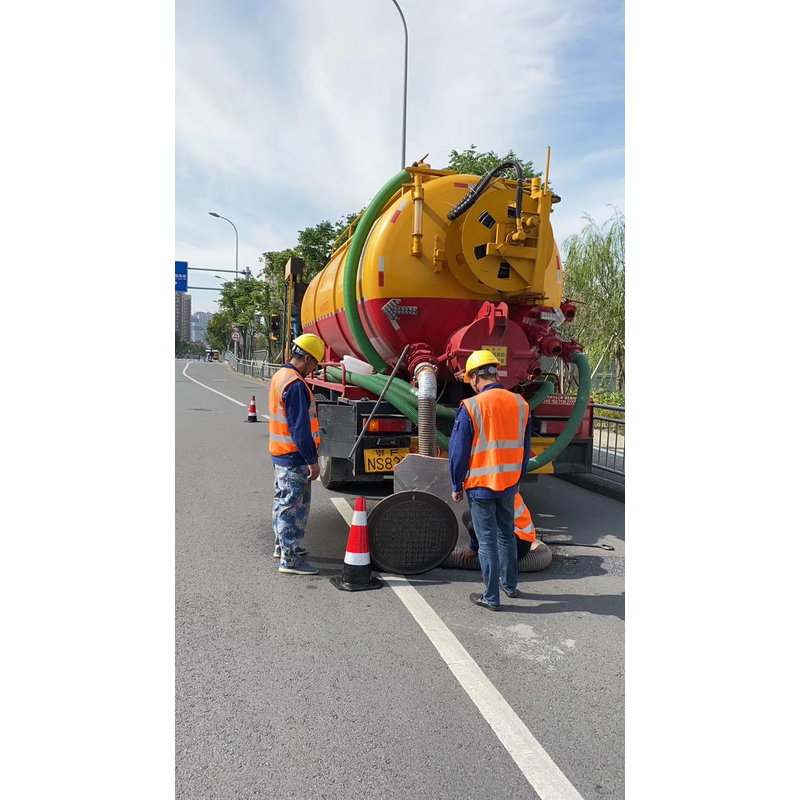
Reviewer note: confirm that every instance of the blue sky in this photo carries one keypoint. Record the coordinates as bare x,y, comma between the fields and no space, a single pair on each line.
288,112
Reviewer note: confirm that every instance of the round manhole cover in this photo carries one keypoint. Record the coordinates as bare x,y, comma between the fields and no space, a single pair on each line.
411,532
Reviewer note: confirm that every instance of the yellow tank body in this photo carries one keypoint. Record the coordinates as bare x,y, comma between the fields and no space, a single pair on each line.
458,266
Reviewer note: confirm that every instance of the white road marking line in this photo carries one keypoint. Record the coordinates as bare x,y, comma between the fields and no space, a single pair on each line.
213,390
343,507
541,772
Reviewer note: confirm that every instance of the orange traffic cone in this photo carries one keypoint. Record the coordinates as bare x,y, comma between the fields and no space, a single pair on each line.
251,414
356,568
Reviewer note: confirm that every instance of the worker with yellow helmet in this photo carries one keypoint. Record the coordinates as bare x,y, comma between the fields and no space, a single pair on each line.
293,444
489,449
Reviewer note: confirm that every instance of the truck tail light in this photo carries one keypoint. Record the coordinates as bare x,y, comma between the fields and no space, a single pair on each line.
551,427
389,425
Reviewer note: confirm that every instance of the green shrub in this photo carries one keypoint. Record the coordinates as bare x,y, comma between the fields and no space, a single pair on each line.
607,398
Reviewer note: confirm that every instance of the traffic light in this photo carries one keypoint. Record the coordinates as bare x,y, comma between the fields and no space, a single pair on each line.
274,327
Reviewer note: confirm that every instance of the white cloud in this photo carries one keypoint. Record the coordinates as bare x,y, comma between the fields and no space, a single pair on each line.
293,115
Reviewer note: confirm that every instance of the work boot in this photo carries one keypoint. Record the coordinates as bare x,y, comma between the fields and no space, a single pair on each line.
479,601
299,567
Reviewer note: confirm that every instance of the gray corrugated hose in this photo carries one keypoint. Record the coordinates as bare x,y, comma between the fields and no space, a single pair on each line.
536,559
426,383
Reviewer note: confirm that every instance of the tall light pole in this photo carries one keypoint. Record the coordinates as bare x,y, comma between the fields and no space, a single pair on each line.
405,85
219,216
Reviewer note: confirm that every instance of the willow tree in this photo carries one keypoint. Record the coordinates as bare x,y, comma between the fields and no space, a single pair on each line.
594,274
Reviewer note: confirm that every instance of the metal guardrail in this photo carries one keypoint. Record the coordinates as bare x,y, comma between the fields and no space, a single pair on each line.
608,450
255,369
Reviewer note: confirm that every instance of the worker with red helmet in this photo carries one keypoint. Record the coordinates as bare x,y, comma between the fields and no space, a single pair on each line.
293,444
489,449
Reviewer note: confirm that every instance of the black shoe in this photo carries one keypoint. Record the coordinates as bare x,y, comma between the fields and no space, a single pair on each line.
515,593
478,600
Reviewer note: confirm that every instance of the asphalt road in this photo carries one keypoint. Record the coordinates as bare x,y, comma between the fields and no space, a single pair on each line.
288,688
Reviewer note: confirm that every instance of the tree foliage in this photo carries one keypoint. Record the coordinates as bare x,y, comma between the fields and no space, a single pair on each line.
184,348
594,273
218,330
471,162
272,274
314,244
243,304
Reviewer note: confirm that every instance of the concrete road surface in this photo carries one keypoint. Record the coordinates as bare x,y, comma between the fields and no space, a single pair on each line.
288,688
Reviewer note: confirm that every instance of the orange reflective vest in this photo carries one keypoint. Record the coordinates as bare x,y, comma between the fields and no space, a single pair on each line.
499,419
523,524
280,437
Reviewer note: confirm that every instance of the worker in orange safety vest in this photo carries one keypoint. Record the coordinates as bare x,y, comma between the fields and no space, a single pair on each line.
489,449
293,443
524,530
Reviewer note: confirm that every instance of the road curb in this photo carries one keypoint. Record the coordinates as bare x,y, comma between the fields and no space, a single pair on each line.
594,483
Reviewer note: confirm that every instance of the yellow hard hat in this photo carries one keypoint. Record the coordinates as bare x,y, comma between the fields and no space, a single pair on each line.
311,344
480,358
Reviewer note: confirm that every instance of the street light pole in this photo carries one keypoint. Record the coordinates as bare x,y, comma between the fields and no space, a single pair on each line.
405,86
219,216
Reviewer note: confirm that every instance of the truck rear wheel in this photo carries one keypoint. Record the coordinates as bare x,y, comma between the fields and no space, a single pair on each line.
333,472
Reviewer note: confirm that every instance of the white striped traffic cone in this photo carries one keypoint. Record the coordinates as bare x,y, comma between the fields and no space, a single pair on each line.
251,413
356,568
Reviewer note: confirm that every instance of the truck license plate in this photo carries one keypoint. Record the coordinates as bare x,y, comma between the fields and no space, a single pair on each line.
384,460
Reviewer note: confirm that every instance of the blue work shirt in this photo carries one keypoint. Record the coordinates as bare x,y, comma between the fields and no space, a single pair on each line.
296,400
461,449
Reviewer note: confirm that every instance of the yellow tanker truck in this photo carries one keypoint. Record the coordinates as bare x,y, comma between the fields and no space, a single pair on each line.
438,265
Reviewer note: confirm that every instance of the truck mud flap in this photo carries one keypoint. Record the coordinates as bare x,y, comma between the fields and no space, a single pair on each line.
337,423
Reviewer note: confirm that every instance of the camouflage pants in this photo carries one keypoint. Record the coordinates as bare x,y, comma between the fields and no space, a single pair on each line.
290,509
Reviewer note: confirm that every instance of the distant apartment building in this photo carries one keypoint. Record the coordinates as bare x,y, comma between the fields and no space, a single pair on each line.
199,322
183,315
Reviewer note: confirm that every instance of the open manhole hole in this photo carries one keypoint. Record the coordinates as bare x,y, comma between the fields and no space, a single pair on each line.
411,532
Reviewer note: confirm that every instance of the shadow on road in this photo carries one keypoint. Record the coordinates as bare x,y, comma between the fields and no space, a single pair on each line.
608,605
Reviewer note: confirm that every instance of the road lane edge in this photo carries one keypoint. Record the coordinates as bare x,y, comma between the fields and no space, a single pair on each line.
187,375
541,772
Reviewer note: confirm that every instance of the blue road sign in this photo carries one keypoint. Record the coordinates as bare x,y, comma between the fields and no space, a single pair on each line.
181,275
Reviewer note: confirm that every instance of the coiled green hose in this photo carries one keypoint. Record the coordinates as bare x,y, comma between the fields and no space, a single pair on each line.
403,402
372,383
575,418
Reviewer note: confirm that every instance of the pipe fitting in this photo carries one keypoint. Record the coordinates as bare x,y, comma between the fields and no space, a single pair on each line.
551,346
568,310
418,196
568,350
425,376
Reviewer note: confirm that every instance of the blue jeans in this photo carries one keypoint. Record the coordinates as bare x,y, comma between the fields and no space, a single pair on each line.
290,509
493,519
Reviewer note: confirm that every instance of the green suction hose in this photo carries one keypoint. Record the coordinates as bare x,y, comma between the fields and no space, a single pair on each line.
374,384
404,402
443,412
575,418
545,390
373,211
